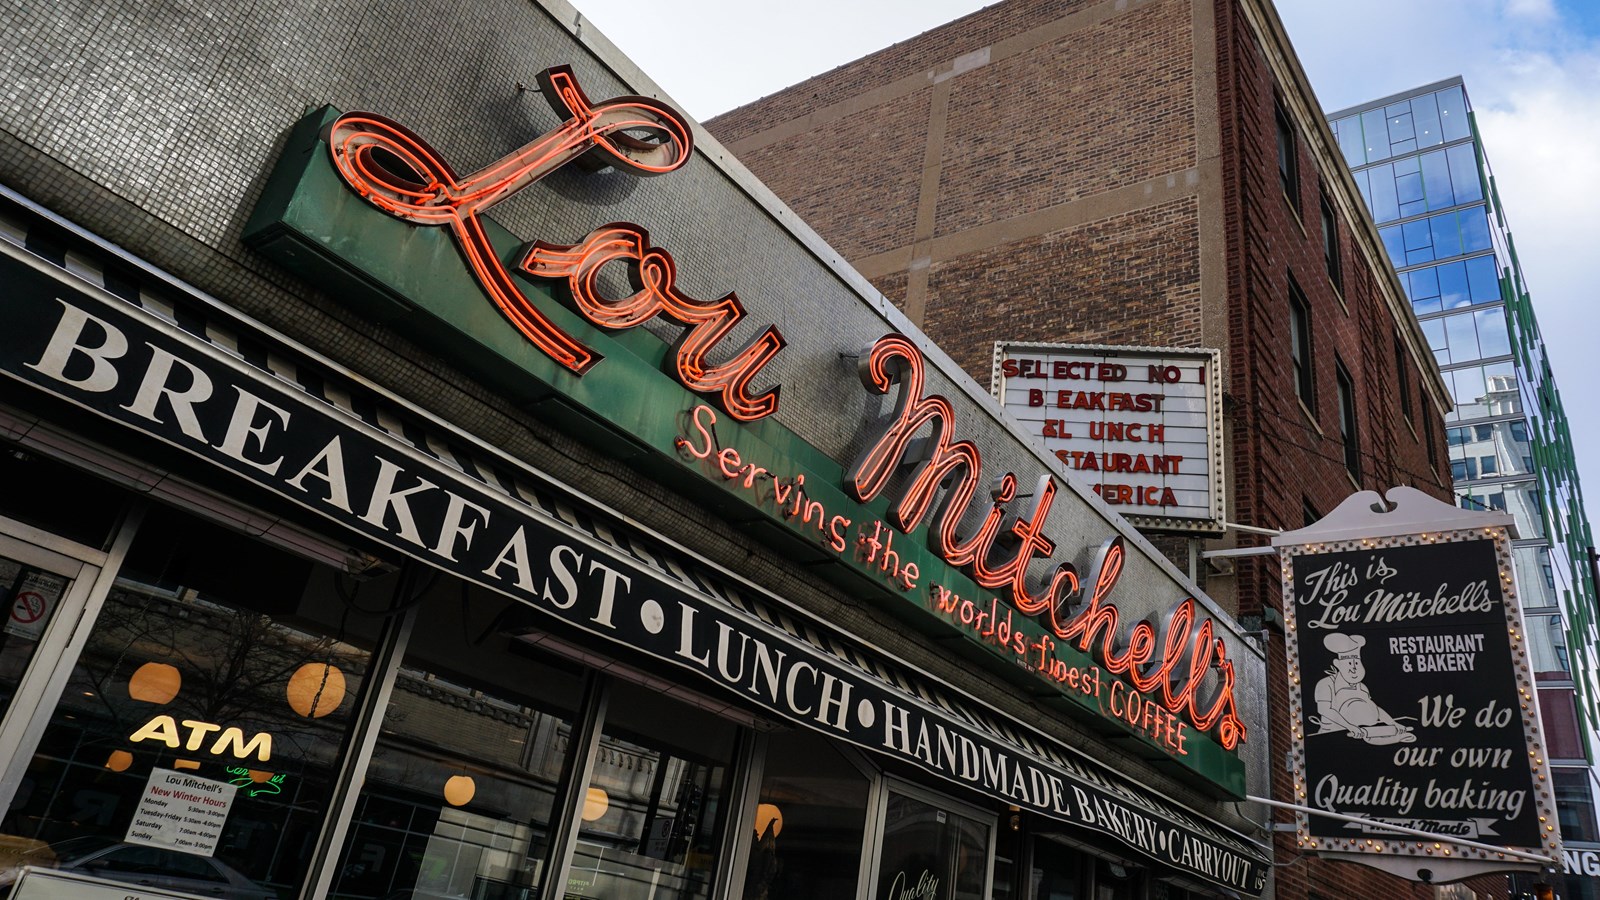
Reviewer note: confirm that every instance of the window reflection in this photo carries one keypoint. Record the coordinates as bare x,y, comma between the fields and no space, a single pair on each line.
1059,871
1453,114
1425,110
1575,804
459,796
1375,135
1348,131
1547,643
810,824
1536,584
653,811
1482,392
931,852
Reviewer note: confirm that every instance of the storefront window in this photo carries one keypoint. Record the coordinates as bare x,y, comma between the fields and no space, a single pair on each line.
931,852
653,811
459,796
1058,871
1575,804
195,742
1115,881
810,823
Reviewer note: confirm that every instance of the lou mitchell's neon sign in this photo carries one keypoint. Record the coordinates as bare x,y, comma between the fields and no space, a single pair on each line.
403,176
954,468
399,173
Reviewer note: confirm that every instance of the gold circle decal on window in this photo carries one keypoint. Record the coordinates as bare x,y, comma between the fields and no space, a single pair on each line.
315,690
155,682
459,790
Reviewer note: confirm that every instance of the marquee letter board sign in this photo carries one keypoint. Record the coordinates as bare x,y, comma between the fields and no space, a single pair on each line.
1138,424
1412,701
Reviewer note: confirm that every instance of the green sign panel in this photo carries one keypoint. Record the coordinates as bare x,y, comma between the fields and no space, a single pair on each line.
757,474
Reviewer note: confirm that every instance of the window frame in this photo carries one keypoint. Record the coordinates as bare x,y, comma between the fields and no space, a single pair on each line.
1402,378
1330,243
1301,347
1349,430
1288,155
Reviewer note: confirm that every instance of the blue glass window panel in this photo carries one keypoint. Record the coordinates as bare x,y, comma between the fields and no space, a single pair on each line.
1464,173
1423,284
1493,337
1406,146
1349,132
1474,230
1418,241
1410,184
1436,180
1363,184
1453,114
1425,305
1393,243
1468,385
1385,204
1484,279
1375,135
1399,116
1462,335
1446,236
1433,330
1407,166
1425,113
1454,290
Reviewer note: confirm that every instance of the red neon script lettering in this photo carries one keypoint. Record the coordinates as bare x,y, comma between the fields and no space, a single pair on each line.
402,175
654,277
938,463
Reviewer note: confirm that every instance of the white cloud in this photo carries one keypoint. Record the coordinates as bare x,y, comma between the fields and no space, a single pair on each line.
1540,10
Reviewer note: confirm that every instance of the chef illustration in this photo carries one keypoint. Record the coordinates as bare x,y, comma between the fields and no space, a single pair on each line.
1345,704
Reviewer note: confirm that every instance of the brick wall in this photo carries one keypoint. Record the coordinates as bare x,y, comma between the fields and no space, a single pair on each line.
1060,188
1288,454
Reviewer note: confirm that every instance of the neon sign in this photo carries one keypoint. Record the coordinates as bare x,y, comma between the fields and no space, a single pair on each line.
1187,653
399,173
998,577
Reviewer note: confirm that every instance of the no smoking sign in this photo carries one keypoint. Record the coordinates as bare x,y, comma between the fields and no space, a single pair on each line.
31,605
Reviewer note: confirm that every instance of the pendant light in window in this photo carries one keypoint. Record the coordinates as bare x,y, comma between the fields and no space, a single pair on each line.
768,816
119,761
595,804
155,682
315,690
459,790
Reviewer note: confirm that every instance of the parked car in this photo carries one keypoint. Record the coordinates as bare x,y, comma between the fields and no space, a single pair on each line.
139,864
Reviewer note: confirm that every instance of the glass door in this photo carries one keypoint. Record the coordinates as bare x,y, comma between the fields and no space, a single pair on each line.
36,584
45,586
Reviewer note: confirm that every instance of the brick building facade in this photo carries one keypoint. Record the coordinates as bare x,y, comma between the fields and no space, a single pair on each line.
1153,172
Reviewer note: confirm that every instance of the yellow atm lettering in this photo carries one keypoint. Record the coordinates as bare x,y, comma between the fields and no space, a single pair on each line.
229,740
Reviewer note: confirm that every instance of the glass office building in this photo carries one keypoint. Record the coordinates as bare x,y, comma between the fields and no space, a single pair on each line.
1419,163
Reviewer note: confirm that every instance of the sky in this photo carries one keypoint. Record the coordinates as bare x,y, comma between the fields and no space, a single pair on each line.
1532,71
